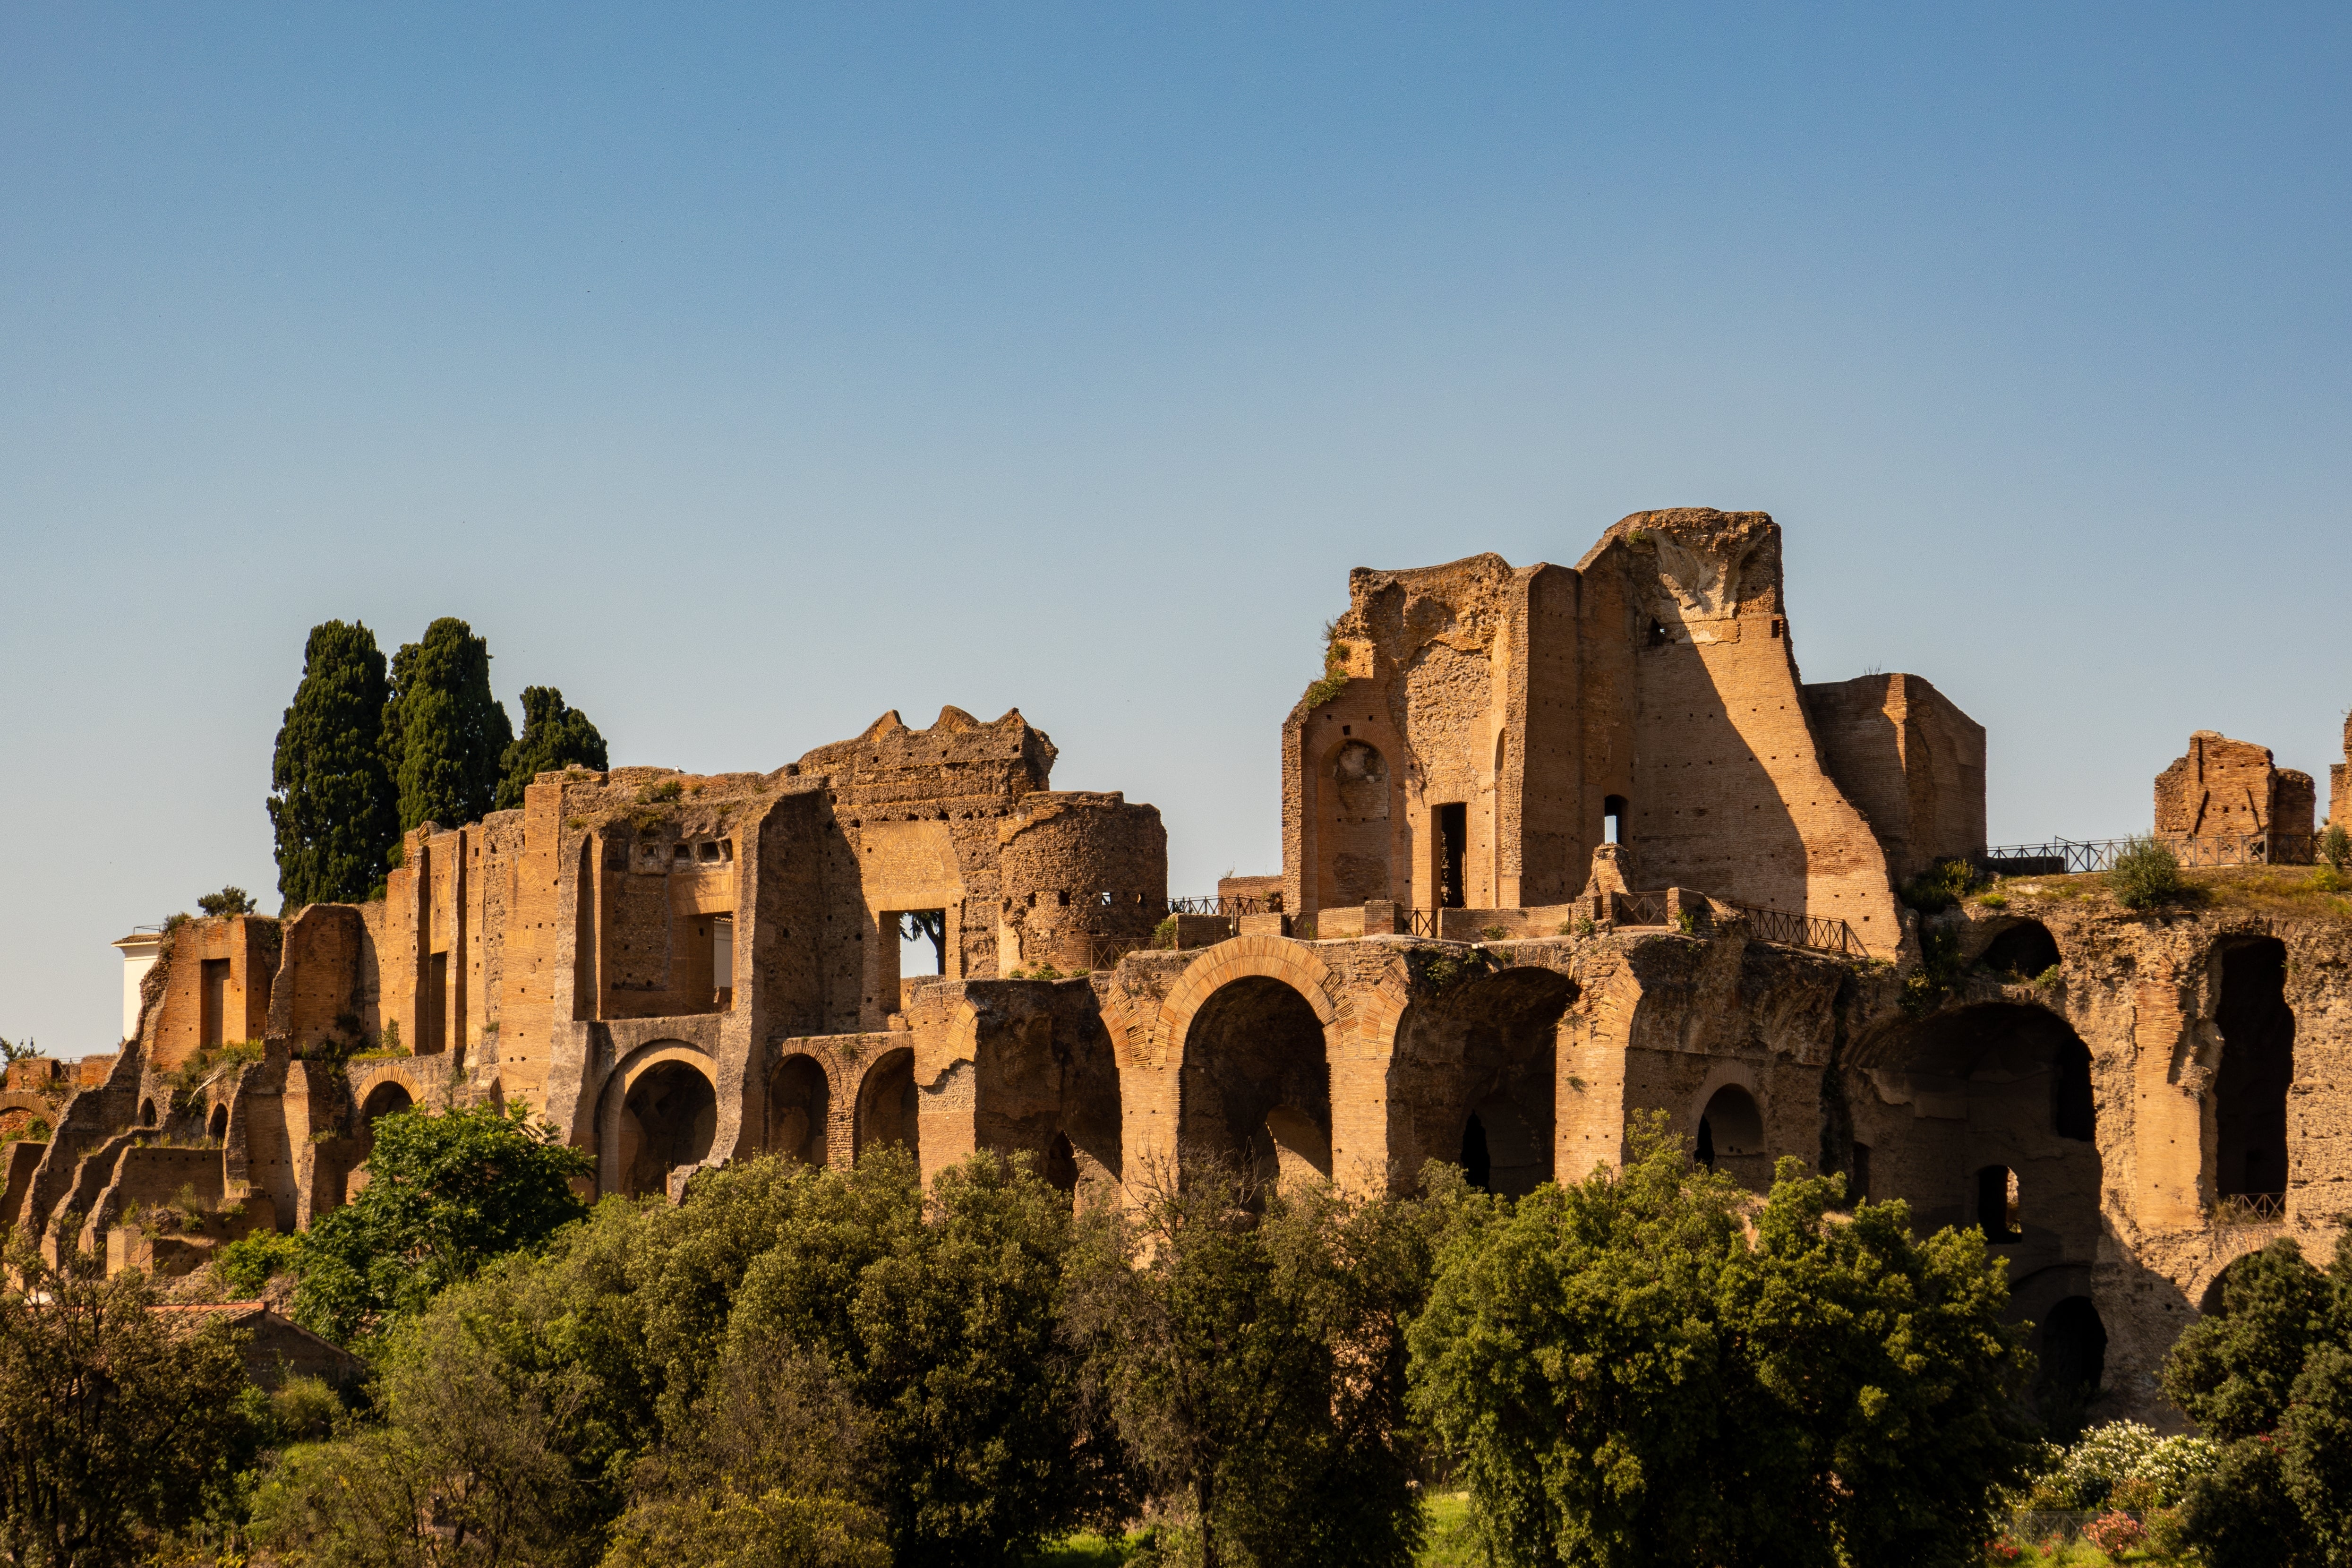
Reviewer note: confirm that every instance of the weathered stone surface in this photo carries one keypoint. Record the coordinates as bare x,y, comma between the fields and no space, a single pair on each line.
1457,963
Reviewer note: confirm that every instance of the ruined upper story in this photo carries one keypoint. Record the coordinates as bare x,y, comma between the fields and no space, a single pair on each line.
2221,789
1484,727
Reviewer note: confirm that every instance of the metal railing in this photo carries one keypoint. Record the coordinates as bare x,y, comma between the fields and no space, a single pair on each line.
2060,856
1640,908
1823,933
2249,1208
1229,906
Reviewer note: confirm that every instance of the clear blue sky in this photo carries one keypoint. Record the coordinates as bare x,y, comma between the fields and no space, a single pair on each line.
747,372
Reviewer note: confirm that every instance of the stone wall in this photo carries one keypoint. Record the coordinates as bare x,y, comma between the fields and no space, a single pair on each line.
2225,789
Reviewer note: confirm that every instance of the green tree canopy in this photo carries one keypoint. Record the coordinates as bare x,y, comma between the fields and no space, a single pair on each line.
116,1421
443,732
445,1193
553,737
793,1366
2271,1374
331,801
1250,1347
1628,1372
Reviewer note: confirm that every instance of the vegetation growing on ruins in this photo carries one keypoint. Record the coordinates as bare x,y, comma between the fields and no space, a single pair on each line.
229,901
443,732
1641,1368
2145,874
1334,678
1941,886
555,736
330,800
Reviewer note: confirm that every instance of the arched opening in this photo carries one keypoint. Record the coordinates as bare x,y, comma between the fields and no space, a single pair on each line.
2004,1088
800,1101
1061,1172
1999,1209
384,1100
1252,1049
2024,950
1472,1080
2257,1068
1477,1162
147,1113
1731,1136
1613,817
2072,1353
668,1121
218,1128
886,1103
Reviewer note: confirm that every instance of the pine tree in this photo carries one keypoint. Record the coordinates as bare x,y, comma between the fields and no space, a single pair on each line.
553,736
331,799
443,730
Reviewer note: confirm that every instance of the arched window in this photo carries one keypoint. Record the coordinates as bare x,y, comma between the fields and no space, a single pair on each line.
147,1114
1730,1128
2073,1355
219,1125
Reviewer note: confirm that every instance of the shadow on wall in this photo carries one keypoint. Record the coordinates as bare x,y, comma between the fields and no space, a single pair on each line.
887,1103
1256,1088
800,1101
1473,1080
669,1120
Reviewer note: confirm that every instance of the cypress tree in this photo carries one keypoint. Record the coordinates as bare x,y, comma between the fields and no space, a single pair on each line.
330,800
443,730
553,736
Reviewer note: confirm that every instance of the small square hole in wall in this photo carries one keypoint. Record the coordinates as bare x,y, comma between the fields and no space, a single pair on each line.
709,853
679,851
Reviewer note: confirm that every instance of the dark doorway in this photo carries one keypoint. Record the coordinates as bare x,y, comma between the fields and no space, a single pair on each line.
1452,850
1476,1163
1612,819
886,1104
433,1013
2073,1112
218,1127
2074,1355
214,1022
2257,1068
1061,1171
1857,1185
668,1119
1997,1205
799,1102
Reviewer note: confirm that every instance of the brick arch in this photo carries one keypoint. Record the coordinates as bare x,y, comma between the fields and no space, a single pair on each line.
614,1098
1293,964
1358,1019
401,1070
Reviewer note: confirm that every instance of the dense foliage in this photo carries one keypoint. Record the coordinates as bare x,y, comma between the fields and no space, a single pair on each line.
1627,1374
444,734
330,801
2271,1376
1250,1345
650,1386
116,1422
445,1194
555,736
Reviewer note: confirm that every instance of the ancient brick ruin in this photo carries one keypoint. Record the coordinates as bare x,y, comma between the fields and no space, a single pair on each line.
1561,846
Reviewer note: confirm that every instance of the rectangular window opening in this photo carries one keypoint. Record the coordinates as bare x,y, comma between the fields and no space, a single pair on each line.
1452,838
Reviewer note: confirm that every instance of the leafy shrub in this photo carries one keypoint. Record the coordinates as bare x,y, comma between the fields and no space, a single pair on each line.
1494,934
1163,935
2336,849
652,794
2146,873
1334,678
1941,887
1994,899
230,901
244,1267
304,1409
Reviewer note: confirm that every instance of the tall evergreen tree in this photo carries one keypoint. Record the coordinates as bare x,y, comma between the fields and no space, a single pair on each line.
553,736
330,798
443,730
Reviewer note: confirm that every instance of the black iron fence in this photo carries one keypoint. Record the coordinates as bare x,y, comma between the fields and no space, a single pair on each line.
1104,952
1227,905
1820,932
2060,857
